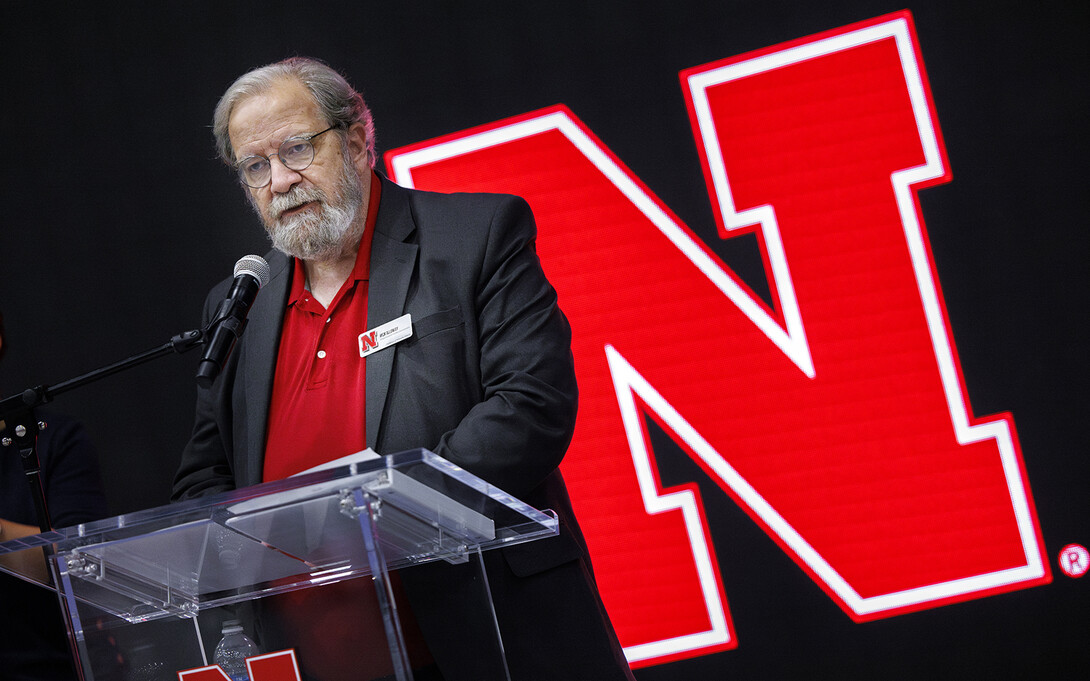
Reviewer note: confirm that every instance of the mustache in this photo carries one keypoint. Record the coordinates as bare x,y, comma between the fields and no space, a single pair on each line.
293,199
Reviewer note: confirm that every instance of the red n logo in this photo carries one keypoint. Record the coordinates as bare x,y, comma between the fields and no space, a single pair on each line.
368,341
836,418
278,666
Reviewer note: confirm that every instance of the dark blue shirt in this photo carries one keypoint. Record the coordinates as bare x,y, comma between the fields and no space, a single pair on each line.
33,643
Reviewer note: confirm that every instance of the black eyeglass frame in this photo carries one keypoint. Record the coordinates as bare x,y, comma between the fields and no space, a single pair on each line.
309,139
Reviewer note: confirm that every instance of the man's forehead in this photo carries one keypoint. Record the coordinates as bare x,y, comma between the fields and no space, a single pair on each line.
283,109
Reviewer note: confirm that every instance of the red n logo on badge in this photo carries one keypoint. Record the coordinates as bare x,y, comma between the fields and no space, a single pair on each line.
368,341
837,417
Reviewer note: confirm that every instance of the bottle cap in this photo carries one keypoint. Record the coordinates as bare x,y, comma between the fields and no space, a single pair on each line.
232,626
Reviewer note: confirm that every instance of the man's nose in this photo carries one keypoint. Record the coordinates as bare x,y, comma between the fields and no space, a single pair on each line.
283,177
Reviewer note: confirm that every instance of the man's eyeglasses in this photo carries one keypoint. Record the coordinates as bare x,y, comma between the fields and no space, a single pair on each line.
296,153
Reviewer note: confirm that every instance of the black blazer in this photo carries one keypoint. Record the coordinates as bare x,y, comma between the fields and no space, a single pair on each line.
486,381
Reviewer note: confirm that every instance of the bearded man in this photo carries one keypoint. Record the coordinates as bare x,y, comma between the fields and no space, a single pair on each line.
486,380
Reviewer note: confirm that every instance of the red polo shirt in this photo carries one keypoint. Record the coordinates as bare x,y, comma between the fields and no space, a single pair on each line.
318,414
318,401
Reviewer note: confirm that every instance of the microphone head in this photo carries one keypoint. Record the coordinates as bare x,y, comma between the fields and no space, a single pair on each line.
255,266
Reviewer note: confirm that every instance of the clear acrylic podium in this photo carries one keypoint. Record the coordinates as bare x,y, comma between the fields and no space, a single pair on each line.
145,593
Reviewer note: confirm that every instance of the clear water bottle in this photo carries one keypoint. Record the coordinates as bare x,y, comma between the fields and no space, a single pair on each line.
232,651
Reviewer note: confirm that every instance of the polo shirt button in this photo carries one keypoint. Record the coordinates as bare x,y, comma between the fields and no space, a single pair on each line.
321,354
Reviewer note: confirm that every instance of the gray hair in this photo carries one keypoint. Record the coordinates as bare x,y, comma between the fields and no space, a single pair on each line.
337,101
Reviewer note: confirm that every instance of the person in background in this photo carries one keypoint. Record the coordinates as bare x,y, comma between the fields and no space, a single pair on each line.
33,642
486,380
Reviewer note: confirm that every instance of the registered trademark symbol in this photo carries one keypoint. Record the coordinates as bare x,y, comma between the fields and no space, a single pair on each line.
1074,560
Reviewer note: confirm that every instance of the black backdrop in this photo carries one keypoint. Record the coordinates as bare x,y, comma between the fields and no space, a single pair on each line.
117,219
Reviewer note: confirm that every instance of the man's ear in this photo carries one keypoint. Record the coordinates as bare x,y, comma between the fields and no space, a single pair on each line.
357,145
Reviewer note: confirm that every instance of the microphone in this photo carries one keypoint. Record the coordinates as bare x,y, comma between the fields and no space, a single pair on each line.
251,273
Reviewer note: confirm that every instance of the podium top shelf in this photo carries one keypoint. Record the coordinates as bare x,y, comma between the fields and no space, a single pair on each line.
178,559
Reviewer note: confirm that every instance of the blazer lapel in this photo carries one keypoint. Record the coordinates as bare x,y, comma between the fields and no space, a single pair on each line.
392,263
257,364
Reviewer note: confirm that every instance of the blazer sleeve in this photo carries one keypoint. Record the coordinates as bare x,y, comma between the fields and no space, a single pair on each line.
205,466
517,434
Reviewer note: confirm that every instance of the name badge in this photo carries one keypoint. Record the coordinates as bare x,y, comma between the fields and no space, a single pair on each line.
382,337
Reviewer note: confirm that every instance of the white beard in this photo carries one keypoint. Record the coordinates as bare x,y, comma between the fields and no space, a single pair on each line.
328,233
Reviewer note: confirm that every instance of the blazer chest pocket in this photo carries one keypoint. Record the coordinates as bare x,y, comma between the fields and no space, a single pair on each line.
434,323
437,345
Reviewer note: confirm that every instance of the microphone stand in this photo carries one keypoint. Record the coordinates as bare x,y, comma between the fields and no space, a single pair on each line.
17,413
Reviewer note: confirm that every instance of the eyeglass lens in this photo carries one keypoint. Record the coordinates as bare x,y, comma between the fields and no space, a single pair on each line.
296,154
